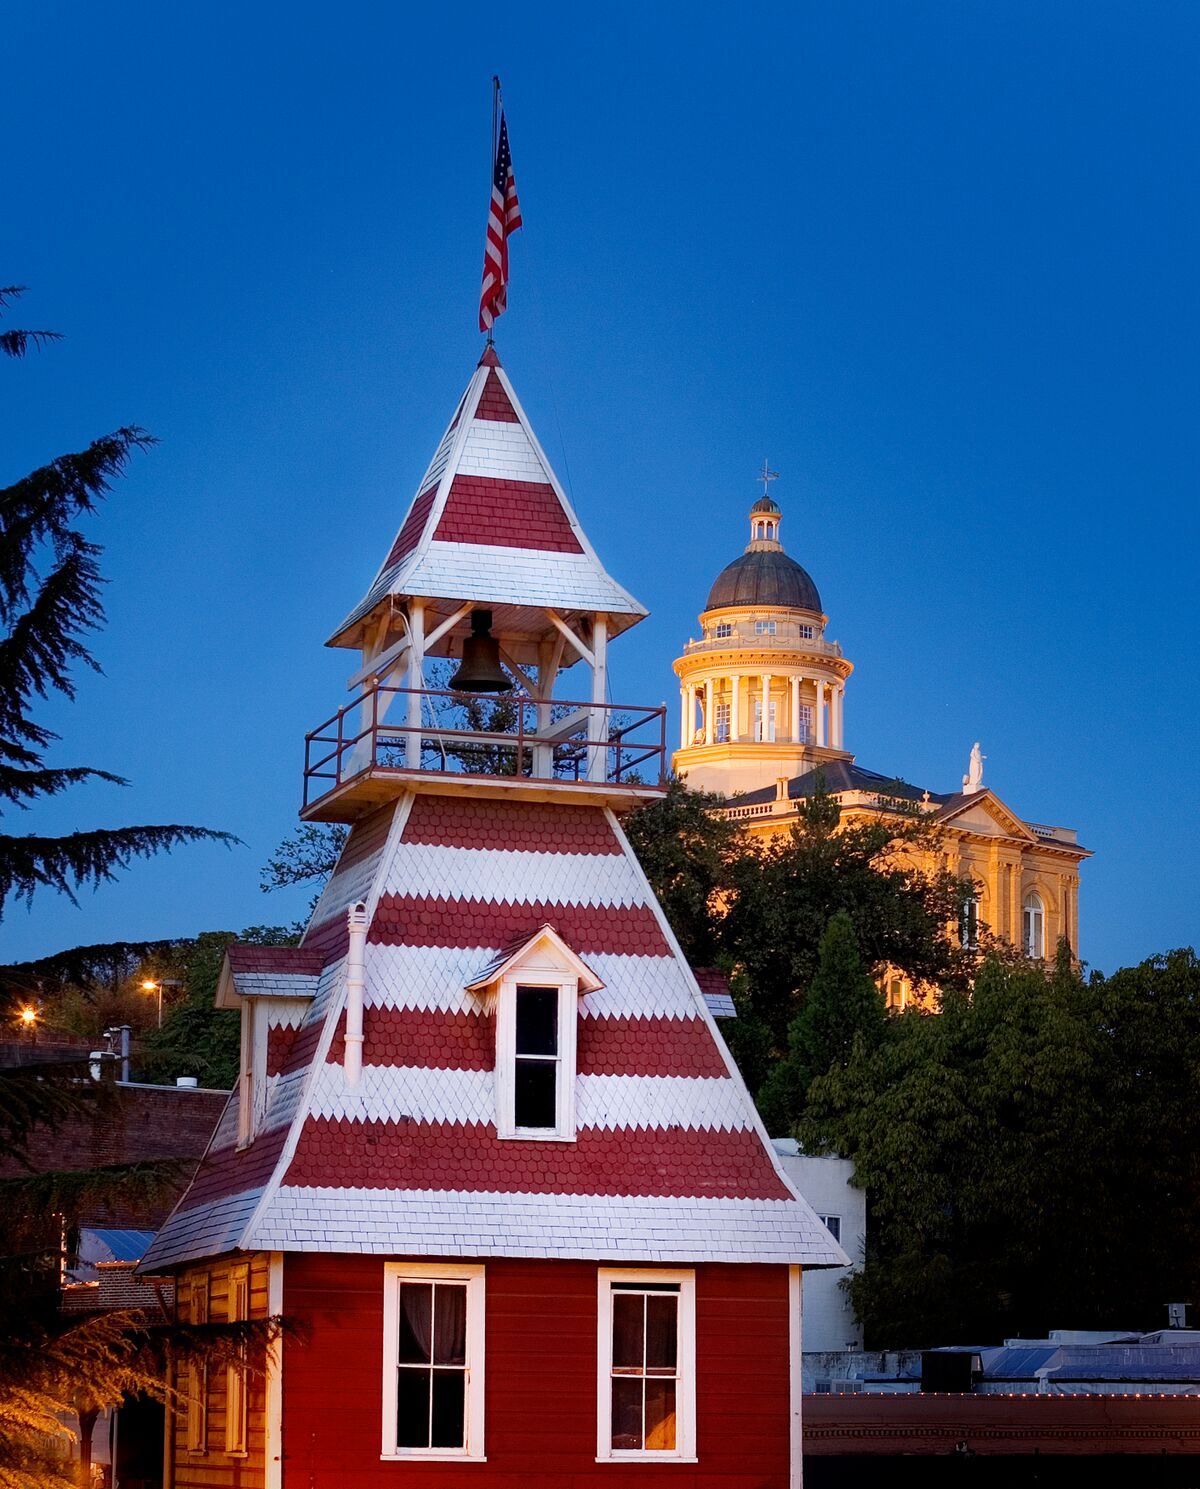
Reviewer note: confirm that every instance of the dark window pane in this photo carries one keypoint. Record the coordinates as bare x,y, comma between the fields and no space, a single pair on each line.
627,1331
661,1313
450,1324
535,1103
416,1317
660,1415
537,1021
449,1400
627,1412
412,1409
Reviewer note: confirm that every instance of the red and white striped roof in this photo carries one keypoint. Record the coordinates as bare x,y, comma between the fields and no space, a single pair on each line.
490,523
670,1161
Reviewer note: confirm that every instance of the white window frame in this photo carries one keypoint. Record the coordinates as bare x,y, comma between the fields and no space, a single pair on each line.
722,629
833,1224
807,632
765,627
394,1273
684,1450
1033,913
506,1055
721,725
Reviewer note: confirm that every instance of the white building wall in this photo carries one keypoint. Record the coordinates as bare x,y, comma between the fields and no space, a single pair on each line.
829,1322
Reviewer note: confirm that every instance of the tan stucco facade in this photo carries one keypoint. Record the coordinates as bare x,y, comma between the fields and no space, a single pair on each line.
752,649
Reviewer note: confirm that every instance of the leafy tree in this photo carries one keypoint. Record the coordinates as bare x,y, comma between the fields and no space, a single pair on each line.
197,1038
49,600
687,851
308,855
1031,1156
784,891
843,1016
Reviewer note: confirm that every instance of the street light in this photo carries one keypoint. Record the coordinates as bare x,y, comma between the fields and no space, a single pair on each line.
28,1016
156,985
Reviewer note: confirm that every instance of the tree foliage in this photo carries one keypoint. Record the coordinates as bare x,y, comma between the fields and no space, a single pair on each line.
49,602
843,1016
687,852
1031,1155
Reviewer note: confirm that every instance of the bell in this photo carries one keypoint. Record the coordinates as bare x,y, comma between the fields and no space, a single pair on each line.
480,670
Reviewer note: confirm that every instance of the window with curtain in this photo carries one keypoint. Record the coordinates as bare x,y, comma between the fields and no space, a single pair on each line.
647,1348
1033,926
721,732
433,1327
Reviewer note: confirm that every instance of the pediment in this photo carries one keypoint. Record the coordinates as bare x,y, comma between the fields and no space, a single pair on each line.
984,813
543,952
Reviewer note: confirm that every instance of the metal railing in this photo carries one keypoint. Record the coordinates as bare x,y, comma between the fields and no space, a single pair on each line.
432,730
744,642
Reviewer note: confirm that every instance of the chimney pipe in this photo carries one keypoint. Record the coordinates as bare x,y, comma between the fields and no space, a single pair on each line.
355,963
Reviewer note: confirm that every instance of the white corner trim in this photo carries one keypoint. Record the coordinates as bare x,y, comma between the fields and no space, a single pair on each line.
795,1380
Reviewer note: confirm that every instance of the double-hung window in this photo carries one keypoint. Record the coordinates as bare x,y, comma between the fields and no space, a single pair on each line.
721,732
433,1361
646,1404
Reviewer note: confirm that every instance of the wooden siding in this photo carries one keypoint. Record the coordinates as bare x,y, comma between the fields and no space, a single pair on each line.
540,1426
214,1468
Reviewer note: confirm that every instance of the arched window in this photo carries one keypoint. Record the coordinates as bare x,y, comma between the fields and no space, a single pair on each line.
1033,927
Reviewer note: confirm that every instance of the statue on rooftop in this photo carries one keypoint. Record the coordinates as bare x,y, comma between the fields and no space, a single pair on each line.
973,780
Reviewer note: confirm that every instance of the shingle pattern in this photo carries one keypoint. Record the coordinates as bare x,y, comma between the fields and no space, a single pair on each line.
495,496
661,1115
513,826
507,514
469,1223
676,1161
493,401
414,525
428,920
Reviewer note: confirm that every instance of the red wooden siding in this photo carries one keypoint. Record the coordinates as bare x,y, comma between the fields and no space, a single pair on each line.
541,1381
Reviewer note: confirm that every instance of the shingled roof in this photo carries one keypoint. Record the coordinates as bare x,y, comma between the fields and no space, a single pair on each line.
669,1160
490,522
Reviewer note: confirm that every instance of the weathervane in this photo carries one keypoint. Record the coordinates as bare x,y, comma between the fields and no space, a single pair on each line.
766,476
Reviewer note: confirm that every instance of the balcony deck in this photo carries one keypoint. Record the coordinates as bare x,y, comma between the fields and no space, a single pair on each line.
389,740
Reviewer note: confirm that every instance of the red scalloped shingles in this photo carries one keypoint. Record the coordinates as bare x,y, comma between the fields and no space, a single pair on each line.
518,826
429,1038
680,1162
508,514
634,1045
429,920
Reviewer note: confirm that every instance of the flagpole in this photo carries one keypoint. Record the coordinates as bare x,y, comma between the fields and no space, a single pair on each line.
492,156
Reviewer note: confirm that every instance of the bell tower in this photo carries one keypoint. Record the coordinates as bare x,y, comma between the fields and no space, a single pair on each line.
761,691
492,570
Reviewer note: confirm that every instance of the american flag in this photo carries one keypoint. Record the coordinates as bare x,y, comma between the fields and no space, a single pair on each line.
504,217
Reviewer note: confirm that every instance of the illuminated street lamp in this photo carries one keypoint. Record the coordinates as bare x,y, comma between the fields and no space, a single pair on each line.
156,985
29,1016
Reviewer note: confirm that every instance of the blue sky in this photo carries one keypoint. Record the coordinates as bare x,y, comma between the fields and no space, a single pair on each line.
938,261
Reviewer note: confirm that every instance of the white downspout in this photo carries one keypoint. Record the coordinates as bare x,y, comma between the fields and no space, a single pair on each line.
355,978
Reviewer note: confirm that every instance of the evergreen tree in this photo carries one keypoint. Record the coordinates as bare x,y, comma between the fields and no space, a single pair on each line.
49,600
843,1016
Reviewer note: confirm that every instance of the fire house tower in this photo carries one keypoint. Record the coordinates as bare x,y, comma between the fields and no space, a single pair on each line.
488,1147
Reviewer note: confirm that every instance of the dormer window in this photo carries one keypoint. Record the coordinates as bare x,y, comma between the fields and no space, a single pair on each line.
534,990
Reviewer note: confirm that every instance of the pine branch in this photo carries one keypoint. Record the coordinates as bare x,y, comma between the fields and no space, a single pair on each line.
36,655
18,786
86,858
41,506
